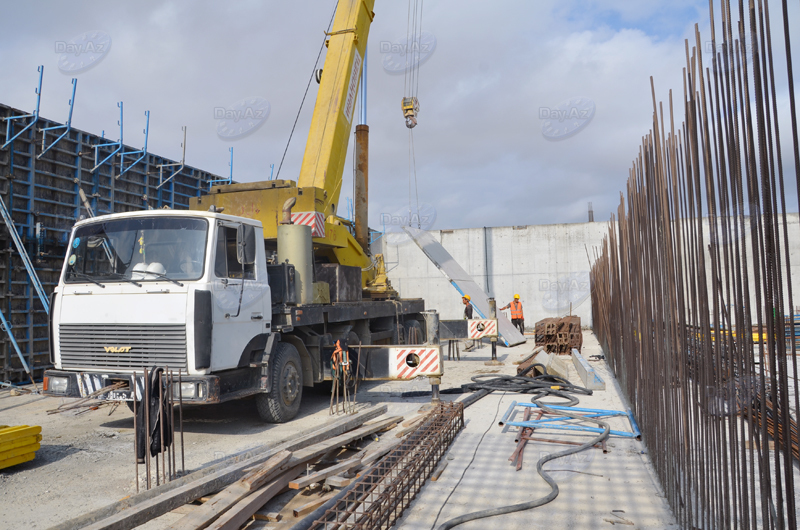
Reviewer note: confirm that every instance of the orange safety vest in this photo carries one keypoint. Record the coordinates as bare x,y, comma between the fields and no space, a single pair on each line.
516,310
339,356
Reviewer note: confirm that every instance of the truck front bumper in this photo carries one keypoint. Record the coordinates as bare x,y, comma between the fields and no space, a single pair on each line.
191,389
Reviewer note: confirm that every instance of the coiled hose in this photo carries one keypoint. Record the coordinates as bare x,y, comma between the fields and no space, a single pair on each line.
541,386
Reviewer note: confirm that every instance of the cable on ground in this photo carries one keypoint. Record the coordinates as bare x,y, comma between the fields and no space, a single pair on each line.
541,386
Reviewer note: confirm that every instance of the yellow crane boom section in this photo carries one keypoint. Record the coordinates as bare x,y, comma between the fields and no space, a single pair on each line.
320,181
326,149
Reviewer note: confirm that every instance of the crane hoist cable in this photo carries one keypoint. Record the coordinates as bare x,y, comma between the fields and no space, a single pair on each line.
313,75
410,103
412,168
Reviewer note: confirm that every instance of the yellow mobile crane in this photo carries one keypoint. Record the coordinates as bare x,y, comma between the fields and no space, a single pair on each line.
319,184
197,290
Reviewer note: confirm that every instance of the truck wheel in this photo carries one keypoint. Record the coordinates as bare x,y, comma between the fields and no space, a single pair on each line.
282,403
414,333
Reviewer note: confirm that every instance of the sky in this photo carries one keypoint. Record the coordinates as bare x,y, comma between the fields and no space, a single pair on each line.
529,110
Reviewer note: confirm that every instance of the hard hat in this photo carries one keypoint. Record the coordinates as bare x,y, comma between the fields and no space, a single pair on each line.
467,297
516,297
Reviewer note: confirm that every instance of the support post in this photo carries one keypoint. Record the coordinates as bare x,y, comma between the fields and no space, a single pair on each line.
493,314
362,186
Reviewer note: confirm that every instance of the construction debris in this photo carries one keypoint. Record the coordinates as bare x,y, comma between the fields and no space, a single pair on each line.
305,447
18,444
559,335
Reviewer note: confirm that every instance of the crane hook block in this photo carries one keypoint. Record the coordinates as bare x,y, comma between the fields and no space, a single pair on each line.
410,111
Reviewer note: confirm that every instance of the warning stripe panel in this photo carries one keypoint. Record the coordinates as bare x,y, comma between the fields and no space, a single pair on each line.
316,220
482,328
428,362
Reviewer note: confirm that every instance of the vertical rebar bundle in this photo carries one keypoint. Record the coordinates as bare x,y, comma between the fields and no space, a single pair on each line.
697,261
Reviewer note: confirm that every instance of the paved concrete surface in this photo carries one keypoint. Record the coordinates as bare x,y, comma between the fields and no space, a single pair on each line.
592,484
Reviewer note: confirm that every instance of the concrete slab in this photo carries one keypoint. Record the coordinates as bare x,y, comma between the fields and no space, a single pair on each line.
592,484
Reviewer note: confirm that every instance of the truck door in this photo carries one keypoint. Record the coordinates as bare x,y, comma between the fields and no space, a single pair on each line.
238,294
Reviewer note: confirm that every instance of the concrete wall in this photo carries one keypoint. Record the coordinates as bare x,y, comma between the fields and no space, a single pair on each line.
547,265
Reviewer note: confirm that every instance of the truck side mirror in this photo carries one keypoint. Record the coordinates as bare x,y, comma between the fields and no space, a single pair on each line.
246,244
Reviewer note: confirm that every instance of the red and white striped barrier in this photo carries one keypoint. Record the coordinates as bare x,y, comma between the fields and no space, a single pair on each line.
482,328
408,363
316,220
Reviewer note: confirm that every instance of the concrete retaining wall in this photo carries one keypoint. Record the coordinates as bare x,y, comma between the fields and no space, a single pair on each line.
547,265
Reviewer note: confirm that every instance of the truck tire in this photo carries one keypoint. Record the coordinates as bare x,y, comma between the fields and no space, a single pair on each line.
282,403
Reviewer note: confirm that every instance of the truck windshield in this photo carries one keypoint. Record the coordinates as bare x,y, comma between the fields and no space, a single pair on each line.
139,249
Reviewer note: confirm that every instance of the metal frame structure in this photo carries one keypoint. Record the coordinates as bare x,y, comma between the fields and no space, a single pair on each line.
41,193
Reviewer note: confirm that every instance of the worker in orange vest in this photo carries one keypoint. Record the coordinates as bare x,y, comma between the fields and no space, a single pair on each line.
517,318
467,306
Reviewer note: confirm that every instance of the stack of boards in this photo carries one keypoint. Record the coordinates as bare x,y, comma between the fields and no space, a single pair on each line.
18,444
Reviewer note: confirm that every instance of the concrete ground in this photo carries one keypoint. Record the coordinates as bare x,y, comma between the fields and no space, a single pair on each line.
86,461
595,488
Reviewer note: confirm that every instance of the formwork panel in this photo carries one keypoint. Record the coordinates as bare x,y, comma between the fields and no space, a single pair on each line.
43,193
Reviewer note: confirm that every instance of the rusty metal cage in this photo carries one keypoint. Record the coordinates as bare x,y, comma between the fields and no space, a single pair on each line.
381,495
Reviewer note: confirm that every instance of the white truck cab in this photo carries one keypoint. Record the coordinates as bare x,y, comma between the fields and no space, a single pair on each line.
194,292
147,288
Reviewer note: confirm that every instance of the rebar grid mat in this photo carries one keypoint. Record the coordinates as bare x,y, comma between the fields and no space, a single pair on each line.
693,284
380,496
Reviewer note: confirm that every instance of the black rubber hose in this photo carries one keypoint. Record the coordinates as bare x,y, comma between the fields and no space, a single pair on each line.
539,468
541,385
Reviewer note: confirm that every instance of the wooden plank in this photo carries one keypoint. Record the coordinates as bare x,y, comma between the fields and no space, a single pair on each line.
244,509
374,453
18,431
186,508
230,496
234,518
20,442
257,478
321,475
337,481
415,420
205,514
272,517
439,470
142,507
19,451
310,507
17,460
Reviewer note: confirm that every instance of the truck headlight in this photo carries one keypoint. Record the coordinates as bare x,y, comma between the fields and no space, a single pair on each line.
186,391
57,385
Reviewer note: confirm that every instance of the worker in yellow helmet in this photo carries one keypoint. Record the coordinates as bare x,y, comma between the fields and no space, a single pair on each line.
517,318
467,306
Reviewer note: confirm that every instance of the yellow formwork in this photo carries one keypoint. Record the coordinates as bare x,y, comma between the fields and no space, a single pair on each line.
18,444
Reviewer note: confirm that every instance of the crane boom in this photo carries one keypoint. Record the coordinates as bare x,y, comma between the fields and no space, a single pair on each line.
326,149
316,192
